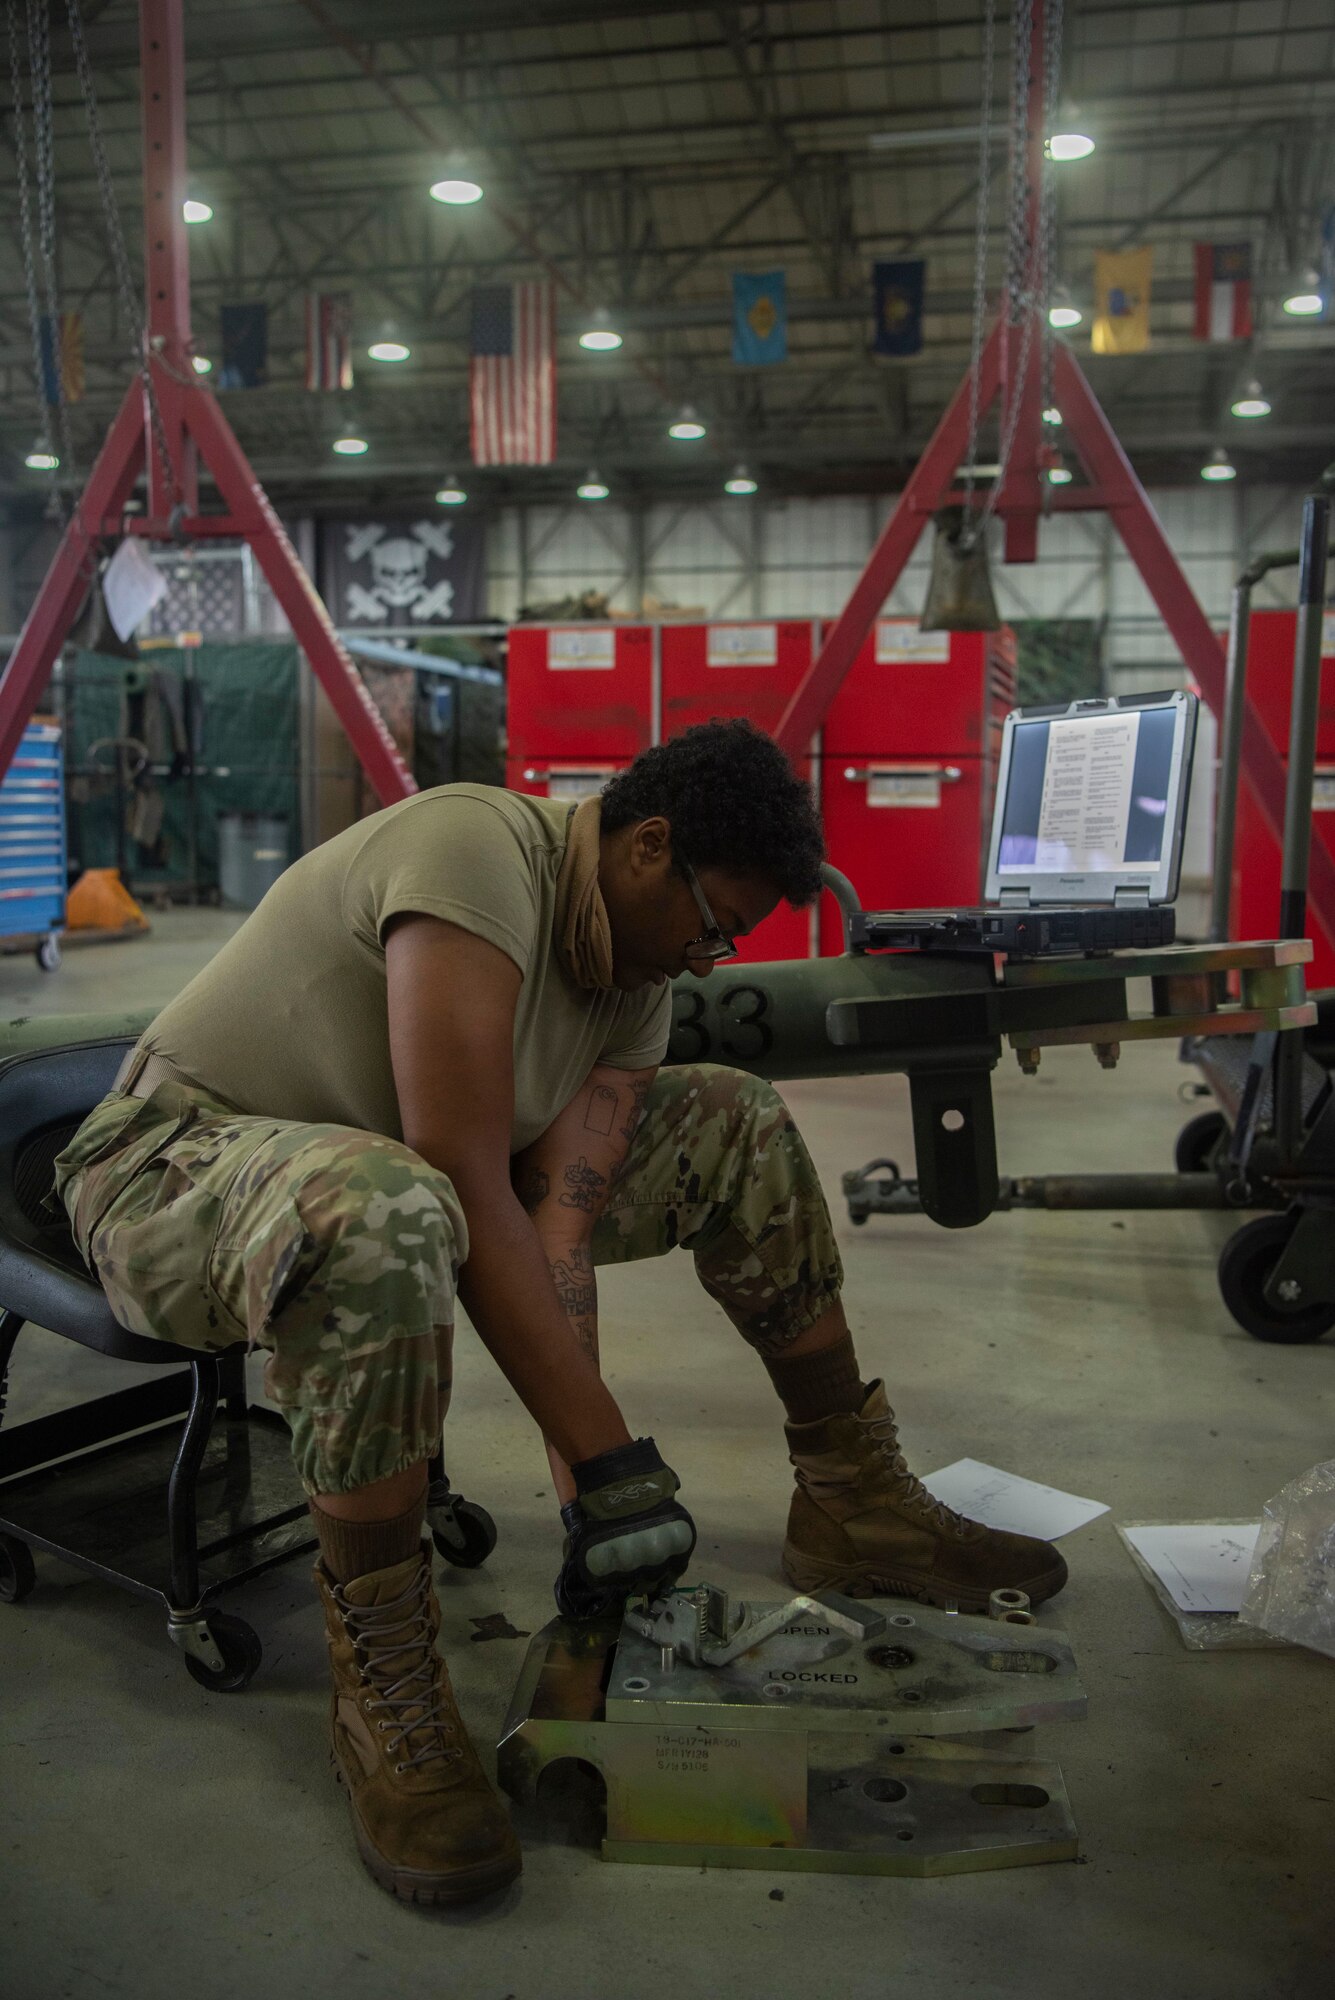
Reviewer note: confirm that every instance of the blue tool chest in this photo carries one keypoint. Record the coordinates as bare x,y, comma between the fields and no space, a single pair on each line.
32,842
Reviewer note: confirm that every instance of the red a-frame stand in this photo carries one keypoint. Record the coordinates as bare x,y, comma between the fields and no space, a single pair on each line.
1113,488
195,428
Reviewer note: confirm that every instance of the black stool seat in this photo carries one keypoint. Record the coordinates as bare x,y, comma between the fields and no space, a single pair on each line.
44,1098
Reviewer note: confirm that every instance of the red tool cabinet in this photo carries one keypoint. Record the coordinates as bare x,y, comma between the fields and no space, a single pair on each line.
581,691
1256,851
908,766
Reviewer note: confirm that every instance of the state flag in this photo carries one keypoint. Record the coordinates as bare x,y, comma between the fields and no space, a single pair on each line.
245,347
898,292
62,358
1121,301
759,318
1223,291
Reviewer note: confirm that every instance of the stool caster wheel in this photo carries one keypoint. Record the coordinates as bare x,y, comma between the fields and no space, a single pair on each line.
239,1645
463,1532
18,1575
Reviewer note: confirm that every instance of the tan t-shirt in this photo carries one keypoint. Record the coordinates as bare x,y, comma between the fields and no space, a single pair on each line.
291,1018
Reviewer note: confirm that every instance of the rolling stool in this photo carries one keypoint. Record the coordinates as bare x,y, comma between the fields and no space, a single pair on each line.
78,1485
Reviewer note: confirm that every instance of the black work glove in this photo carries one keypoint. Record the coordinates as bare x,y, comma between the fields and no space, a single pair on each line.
624,1534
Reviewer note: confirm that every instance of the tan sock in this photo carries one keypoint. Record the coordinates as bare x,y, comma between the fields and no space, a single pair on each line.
823,1384
355,1548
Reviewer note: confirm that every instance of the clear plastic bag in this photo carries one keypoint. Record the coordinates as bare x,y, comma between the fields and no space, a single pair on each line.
1202,1631
1291,1583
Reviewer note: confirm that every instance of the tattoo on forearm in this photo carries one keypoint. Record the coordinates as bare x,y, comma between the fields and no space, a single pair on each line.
533,1190
601,1114
639,1091
586,1333
584,1184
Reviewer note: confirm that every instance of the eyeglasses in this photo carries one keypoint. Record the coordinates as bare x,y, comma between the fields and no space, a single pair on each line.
715,943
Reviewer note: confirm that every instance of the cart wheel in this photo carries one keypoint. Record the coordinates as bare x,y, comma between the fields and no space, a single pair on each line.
48,954
241,1650
1245,1265
466,1534
18,1575
1197,1141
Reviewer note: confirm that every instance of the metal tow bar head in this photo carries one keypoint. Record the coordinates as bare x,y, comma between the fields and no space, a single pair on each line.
703,1628
818,1734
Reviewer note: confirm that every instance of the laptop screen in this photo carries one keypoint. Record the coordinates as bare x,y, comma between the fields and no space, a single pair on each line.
1094,796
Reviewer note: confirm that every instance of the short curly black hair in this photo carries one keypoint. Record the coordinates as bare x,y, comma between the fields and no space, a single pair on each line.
733,801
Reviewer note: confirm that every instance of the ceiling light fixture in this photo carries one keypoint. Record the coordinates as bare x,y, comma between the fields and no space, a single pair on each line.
687,426
591,487
451,493
350,446
1218,466
458,187
1052,415
196,211
1252,403
41,458
388,350
740,481
1070,146
1062,317
1059,475
201,364
600,336
1305,300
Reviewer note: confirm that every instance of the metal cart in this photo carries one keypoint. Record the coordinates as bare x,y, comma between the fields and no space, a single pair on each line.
32,842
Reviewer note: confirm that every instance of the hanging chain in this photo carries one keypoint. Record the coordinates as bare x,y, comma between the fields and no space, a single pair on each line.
56,502
1020,306
980,258
1052,69
39,62
119,255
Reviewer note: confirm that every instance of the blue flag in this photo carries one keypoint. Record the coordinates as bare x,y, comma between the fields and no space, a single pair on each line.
759,318
245,347
898,327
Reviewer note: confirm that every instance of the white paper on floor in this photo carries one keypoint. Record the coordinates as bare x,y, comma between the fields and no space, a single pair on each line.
1004,1500
1201,1565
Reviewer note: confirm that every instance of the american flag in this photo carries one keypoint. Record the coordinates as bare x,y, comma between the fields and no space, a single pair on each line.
328,340
512,375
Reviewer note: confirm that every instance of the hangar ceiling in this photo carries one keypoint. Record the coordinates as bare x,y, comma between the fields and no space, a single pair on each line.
640,154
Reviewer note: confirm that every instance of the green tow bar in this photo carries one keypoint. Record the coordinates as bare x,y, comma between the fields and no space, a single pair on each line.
939,1021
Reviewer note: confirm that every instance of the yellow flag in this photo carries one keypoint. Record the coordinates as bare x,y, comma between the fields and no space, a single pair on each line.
1122,301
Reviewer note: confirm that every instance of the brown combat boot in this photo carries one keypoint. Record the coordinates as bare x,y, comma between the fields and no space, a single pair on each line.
862,1524
428,1824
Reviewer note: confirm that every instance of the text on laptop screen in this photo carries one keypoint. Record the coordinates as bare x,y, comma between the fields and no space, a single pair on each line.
1088,794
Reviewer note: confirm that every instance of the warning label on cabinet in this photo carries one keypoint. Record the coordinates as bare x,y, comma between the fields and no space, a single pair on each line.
742,646
579,646
899,639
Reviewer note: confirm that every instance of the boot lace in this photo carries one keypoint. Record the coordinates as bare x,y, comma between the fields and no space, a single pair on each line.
884,1434
417,1699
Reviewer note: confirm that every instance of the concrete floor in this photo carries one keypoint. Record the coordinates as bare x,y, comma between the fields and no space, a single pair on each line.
157,1839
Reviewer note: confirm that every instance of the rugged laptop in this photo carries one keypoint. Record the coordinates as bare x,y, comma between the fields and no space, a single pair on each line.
1086,845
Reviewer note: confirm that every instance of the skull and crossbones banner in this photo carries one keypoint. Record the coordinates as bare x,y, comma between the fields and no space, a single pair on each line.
403,574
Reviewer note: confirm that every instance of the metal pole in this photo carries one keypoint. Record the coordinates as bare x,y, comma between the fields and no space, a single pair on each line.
1302,727
1298,798
1230,757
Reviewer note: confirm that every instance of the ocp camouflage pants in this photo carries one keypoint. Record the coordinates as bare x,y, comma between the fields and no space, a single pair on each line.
338,1251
